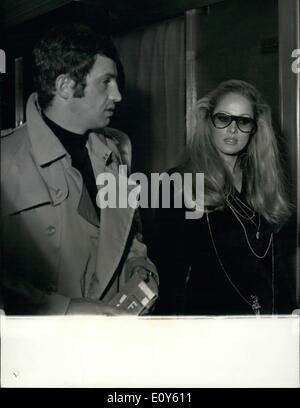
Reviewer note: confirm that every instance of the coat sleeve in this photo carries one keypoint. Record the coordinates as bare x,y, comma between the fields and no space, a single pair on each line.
136,260
20,295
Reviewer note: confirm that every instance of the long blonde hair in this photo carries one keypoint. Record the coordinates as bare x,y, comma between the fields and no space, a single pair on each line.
259,161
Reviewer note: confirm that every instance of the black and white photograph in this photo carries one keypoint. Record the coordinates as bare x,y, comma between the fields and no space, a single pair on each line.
150,195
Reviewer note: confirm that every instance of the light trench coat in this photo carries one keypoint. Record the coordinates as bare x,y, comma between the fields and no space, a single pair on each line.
54,247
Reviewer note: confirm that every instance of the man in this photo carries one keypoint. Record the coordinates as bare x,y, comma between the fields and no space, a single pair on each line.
61,253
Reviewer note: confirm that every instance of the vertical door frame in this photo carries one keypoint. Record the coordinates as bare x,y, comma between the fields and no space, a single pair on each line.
191,38
289,91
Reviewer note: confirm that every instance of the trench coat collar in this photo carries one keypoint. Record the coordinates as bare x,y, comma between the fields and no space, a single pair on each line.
45,145
47,148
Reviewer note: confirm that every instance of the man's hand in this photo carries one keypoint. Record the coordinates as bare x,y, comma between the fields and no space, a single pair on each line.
93,307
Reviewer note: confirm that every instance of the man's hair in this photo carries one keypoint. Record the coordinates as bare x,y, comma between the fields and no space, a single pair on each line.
69,49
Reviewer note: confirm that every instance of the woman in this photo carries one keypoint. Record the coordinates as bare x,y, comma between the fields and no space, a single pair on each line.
228,261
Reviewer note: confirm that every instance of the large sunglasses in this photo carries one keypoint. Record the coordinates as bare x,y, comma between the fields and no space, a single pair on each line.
244,124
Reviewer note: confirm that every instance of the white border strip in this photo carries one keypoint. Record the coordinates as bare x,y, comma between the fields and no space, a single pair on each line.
143,352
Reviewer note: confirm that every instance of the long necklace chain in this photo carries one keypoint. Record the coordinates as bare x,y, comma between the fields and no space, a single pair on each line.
241,205
246,236
255,306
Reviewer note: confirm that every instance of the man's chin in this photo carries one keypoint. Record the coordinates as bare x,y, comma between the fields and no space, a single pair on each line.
105,122
102,124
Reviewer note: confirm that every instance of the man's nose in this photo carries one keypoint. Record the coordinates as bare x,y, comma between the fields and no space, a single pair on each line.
115,94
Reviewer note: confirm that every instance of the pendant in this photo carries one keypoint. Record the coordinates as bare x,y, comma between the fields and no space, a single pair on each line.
255,305
257,234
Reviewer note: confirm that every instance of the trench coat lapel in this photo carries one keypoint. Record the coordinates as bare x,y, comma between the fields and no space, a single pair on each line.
23,189
27,185
86,209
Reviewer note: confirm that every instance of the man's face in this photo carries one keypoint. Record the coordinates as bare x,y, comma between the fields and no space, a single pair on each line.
95,108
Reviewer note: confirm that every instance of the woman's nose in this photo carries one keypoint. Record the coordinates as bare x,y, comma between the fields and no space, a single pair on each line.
232,128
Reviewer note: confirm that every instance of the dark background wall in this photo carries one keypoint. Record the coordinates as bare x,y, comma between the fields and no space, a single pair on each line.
23,22
239,39
235,38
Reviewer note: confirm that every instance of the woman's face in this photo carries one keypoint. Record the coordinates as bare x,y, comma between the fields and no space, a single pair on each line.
230,140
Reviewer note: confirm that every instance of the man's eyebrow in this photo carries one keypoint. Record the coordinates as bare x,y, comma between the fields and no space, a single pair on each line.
107,75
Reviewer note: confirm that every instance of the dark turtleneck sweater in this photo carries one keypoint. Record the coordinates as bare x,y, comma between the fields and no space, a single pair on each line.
75,145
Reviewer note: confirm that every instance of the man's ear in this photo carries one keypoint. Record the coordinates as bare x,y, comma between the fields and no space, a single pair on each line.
64,86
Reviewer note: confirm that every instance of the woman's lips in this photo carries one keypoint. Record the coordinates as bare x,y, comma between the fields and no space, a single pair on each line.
230,140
